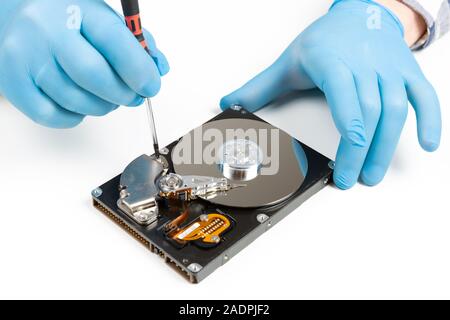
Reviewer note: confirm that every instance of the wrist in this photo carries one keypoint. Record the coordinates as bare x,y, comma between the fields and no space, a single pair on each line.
413,23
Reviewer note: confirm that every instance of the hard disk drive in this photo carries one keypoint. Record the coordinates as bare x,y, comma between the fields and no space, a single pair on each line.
214,191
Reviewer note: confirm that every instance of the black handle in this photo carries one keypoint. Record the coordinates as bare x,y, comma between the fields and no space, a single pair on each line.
130,7
132,17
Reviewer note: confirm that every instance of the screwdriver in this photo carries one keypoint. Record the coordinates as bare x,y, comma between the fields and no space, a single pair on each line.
133,20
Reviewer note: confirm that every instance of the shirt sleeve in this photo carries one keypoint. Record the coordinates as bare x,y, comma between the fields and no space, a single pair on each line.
437,17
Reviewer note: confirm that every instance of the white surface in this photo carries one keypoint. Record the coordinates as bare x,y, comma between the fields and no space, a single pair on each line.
391,241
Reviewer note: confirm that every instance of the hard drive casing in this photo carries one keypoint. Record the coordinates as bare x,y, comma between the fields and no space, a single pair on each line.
197,263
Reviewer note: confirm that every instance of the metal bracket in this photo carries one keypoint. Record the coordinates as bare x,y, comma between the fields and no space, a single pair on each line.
138,190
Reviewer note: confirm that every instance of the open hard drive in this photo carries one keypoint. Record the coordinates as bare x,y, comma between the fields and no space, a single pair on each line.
214,191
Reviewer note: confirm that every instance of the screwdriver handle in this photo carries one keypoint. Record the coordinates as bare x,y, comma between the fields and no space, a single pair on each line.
133,20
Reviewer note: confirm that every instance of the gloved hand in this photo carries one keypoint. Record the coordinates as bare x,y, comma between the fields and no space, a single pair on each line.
367,73
62,60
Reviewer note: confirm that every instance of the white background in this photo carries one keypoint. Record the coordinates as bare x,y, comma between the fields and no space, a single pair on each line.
391,241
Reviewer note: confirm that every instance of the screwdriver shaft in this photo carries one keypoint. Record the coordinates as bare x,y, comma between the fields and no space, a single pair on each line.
151,120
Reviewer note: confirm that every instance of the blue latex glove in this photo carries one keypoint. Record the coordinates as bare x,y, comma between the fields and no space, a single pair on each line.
62,60
367,73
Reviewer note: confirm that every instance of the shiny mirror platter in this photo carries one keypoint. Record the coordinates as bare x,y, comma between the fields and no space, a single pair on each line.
283,172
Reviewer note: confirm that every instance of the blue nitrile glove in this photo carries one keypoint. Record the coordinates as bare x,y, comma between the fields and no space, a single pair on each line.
62,60
357,56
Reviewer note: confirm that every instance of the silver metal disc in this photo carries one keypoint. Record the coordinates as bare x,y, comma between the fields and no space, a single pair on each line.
280,176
